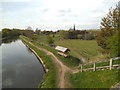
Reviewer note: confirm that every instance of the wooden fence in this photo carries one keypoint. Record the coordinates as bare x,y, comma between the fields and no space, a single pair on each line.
94,67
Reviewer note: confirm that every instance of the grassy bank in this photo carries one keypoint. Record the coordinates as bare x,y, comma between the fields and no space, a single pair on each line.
97,79
87,49
70,61
49,80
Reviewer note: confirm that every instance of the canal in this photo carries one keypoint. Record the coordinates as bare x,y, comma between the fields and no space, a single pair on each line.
20,67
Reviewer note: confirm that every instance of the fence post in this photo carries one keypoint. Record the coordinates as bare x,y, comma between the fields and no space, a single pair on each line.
110,64
94,68
81,68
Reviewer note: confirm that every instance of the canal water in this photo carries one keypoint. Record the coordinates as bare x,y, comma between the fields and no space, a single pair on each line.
20,67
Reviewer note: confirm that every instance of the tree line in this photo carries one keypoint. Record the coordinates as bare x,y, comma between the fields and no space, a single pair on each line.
78,34
6,32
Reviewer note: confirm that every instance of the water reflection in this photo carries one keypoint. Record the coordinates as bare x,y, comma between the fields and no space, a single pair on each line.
20,67
8,40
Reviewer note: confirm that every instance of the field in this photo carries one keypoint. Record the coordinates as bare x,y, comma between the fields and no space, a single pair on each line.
97,79
90,79
87,49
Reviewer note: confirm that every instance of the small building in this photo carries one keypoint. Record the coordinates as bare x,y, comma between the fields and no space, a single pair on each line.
62,51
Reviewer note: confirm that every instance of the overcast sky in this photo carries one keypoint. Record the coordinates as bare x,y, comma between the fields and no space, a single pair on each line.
53,14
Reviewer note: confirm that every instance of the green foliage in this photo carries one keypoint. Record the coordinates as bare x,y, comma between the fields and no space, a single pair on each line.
49,40
34,37
116,61
97,79
10,32
63,34
72,34
108,28
69,61
38,31
27,33
89,36
107,37
6,32
47,32
77,34
113,45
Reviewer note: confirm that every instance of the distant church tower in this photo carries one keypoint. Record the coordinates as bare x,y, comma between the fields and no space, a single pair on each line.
74,27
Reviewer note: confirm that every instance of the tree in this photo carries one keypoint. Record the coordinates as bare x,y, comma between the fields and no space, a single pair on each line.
89,36
80,36
50,40
113,45
6,32
34,37
64,34
109,26
37,31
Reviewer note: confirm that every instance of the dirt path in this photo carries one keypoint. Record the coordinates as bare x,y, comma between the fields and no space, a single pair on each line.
115,87
62,68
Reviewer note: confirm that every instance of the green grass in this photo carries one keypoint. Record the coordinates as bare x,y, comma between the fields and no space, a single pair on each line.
88,66
116,62
70,61
106,63
49,80
97,79
81,48
90,79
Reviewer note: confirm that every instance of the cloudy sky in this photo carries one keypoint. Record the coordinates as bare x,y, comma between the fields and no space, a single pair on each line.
53,14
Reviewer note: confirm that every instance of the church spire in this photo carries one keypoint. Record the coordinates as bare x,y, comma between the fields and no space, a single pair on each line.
74,27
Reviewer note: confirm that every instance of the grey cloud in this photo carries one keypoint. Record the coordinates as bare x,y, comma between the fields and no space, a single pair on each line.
62,14
110,1
97,10
65,11
45,10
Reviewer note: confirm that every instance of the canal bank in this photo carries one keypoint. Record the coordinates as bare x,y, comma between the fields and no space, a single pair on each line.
41,61
49,80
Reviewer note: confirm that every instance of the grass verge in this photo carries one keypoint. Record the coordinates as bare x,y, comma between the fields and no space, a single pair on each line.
97,79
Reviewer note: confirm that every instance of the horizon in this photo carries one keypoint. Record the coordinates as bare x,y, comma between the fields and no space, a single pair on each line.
54,15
